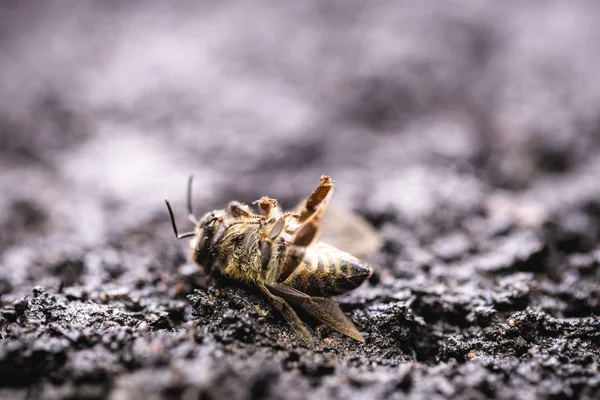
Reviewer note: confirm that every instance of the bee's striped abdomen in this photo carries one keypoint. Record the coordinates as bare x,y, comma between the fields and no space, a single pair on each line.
327,271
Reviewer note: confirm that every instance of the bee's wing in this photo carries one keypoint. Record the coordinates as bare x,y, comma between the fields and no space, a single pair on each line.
348,232
289,314
323,309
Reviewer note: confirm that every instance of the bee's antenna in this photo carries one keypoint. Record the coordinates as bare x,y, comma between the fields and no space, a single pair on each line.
177,235
191,216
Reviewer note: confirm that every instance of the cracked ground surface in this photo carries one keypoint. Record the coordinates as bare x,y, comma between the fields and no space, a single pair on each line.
467,135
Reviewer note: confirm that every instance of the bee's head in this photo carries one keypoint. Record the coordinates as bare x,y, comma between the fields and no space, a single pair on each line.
210,223
209,231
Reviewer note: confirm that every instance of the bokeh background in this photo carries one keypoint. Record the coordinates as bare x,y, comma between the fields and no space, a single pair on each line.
434,118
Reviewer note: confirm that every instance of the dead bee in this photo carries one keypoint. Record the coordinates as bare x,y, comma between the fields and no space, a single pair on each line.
280,253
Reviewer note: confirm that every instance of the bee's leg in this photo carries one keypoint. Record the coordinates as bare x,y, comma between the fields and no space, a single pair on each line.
281,223
290,315
316,203
219,234
305,236
294,256
237,209
268,207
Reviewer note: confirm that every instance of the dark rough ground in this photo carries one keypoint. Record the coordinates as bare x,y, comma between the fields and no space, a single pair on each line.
468,134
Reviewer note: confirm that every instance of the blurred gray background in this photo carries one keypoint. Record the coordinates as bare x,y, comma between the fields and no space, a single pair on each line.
125,100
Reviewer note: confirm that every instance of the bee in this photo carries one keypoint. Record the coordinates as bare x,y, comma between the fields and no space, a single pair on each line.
280,253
